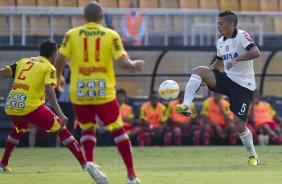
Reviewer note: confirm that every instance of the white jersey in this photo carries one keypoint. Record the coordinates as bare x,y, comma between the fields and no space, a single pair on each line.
228,48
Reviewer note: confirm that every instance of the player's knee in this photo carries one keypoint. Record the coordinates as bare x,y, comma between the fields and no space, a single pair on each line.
200,70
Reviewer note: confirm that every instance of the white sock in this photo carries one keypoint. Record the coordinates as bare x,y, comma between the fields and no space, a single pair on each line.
191,88
247,139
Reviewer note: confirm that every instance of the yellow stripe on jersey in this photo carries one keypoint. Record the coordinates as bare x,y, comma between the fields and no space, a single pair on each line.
28,90
91,49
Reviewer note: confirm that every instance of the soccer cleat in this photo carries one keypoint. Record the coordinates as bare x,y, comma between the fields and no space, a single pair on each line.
183,109
84,168
96,174
253,160
5,168
133,180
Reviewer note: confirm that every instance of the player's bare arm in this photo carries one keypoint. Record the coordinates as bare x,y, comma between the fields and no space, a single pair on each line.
128,63
51,97
251,54
218,64
59,65
4,72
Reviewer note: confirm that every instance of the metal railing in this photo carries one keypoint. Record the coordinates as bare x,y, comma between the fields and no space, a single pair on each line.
163,27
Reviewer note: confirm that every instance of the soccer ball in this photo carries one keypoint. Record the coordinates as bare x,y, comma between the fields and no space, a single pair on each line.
169,90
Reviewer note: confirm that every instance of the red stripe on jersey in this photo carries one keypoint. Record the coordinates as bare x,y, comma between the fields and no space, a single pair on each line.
97,50
85,49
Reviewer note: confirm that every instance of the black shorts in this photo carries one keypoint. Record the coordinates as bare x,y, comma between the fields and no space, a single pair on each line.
239,96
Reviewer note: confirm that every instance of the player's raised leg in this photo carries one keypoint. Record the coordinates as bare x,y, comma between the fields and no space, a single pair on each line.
201,74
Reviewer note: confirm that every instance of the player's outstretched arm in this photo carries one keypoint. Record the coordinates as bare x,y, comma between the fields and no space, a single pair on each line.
59,65
51,97
4,72
128,63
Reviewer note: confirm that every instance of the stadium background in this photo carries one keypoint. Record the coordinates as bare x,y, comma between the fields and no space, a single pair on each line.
179,35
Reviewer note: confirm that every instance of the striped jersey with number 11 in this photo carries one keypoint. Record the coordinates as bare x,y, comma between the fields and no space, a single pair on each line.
91,49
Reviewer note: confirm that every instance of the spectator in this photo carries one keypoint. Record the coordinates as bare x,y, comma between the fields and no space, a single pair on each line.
153,117
133,27
178,124
64,95
218,119
31,135
126,112
104,137
265,118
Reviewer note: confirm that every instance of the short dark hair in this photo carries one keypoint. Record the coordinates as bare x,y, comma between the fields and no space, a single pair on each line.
92,11
121,91
230,16
47,48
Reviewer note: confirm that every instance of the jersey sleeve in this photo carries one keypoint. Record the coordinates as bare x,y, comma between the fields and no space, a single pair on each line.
117,46
50,76
65,48
12,69
205,108
218,55
246,40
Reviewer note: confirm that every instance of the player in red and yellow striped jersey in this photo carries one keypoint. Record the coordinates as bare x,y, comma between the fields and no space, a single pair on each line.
265,118
35,77
91,49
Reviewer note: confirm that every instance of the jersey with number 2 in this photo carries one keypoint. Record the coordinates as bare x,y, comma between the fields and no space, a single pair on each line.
28,90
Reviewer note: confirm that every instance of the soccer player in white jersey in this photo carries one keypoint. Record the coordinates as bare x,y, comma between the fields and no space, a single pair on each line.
231,74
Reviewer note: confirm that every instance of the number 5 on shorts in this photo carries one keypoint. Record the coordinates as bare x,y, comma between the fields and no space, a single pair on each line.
243,109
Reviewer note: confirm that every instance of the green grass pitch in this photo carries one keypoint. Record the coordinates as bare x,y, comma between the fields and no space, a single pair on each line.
154,165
